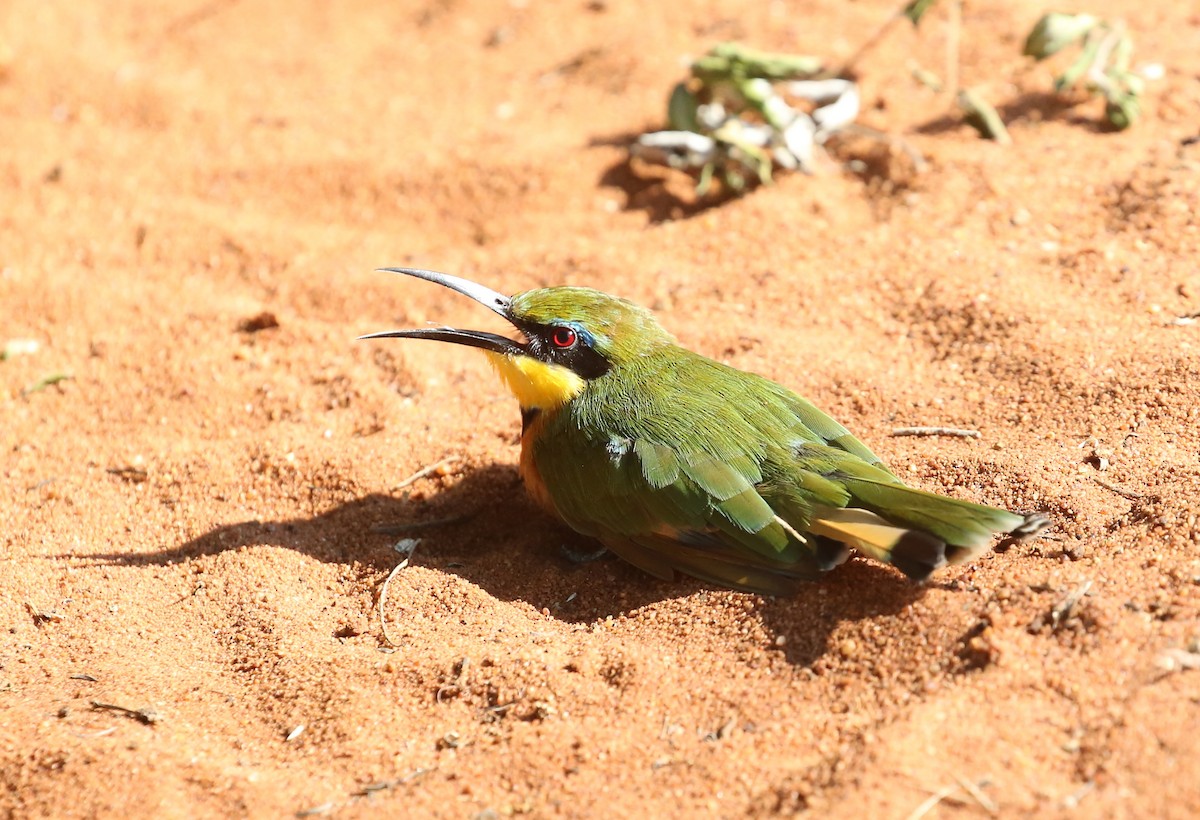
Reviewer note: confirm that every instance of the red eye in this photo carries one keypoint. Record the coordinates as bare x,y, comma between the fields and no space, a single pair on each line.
563,337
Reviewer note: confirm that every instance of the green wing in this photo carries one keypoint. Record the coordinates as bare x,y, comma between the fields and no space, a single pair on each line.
690,481
824,430
666,511
691,466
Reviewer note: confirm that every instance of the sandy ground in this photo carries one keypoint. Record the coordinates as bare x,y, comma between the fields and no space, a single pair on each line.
195,195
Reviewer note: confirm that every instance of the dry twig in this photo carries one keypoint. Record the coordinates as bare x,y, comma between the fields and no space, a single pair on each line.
936,431
406,547
1177,660
1062,610
384,785
953,35
425,471
975,790
1071,801
932,801
43,616
1129,495
195,591
144,715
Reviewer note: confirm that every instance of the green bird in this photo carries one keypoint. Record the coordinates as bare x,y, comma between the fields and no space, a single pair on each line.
681,464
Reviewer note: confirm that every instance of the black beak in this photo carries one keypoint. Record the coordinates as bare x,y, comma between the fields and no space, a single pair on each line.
472,338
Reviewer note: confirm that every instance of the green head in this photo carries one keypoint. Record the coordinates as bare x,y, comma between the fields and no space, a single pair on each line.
569,336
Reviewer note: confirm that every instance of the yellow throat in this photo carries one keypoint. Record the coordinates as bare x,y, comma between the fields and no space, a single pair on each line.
537,384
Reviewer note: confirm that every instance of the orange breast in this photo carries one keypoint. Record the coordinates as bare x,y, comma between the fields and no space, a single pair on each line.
529,470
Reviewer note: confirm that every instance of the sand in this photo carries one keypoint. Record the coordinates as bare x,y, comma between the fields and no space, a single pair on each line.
195,196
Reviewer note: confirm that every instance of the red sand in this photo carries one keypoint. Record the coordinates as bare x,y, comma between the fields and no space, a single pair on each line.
187,521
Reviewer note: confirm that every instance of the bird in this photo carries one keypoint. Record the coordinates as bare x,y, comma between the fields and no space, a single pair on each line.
680,464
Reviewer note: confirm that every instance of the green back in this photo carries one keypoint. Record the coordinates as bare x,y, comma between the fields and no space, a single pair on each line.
677,462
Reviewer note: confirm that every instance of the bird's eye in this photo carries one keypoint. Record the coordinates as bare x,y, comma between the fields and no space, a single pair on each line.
564,337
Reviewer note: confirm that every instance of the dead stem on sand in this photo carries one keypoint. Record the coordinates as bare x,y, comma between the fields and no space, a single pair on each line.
406,547
144,715
1129,495
425,471
1177,660
972,789
43,616
936,431
976,792
1062,610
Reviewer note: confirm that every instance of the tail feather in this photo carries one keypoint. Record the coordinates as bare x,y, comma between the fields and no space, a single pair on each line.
916,531
1031,526
913,552
958,523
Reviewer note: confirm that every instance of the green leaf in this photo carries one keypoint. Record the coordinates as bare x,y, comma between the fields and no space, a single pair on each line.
706,175
733,61
681,109
1122,111
1082,63
981,116
46,381
1056,31
915,10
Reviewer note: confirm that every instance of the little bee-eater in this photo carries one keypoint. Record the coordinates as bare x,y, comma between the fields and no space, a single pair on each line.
678,463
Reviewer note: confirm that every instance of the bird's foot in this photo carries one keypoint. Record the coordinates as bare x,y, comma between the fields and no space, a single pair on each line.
580,556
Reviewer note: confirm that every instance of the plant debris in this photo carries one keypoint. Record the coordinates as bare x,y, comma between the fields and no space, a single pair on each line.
936,431
1062,610
974,790
1103,61
406,547
743,113
46,381
132,475
146,715
19,347
262,321
437,467
43,616
1177,660
982,116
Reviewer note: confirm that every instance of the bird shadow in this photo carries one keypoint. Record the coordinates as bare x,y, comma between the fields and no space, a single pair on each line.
484,529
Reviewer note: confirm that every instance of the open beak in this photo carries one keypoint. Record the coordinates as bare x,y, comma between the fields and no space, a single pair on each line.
472,338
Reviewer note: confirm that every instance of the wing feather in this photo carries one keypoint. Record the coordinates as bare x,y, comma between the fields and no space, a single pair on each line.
731,478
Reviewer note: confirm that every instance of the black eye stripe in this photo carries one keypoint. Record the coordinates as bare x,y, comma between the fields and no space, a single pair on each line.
584,360
578,353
